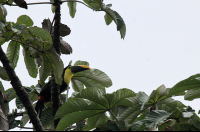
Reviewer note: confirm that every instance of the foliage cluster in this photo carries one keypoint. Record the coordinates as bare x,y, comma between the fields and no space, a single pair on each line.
89,107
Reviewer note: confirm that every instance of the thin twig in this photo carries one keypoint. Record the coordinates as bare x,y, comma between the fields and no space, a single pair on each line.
53,3
67,93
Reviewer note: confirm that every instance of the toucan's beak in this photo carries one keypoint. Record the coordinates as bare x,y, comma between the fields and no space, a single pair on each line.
79,68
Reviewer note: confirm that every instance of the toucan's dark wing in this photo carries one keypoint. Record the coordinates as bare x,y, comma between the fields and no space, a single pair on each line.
46,88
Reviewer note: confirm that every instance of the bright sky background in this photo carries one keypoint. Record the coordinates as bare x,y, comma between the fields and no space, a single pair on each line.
161,44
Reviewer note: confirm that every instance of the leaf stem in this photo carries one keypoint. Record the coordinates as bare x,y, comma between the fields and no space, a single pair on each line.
113,115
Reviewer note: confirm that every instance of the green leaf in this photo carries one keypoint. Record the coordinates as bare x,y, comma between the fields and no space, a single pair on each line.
53,8
77,85
72,8
4,10
24,19
8,32
79,62
47,117
2,40
45,68
170,104
184,127
2,14
132,112
138,126
96,4
76,110
157,95
24,120
94,95
11,94
195,120
119,98
95,121
120,21
30,62
187,84
123,31
56,64
155,117
93,78
12,122
108,19
192,94
165,124
12,53
1,88
121,26
42,34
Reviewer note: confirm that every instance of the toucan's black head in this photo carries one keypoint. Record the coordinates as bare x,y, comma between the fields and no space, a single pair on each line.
70,70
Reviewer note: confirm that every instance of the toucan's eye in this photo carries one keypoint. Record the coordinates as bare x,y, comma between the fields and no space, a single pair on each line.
70,67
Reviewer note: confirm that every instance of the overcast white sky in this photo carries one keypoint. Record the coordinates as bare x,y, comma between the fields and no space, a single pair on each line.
161,44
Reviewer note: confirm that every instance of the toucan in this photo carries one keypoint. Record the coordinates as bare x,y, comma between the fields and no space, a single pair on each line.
45,93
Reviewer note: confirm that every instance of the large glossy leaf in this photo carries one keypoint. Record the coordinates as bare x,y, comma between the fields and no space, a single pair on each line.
41,34
93,78
177,114
77,85
132,112
47,117
96,121
76,110
119,98
56,64
12,53
192,94
45,68
195,120
138,126
155,117
94,95
157,95
24,19
184,127
170,104
72,8
30,62
187,84
121,26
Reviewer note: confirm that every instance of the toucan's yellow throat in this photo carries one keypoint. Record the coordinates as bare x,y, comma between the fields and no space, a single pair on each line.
71,70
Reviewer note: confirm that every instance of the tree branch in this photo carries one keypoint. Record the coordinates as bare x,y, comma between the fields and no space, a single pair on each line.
21,93
53,3
55,88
